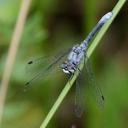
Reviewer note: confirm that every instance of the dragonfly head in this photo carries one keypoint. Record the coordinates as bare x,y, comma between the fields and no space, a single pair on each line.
67,67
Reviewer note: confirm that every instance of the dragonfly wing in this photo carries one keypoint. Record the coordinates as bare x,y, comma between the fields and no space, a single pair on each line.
36,64
93,85
43,71
78,98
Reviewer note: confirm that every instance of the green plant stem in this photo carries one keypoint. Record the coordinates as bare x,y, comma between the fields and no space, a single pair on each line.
100,34
89,52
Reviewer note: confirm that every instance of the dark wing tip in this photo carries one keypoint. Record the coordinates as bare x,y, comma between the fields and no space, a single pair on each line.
103,98
27,84
78,111
30,62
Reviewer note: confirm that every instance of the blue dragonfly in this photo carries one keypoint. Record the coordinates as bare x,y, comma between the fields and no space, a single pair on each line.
72,58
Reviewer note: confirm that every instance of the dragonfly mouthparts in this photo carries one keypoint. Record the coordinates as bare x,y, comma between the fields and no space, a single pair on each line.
68,67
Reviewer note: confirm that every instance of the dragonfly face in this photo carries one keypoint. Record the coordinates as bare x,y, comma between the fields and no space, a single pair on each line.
73,60
68,67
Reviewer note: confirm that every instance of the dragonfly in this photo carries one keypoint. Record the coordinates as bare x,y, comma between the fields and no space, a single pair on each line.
73,56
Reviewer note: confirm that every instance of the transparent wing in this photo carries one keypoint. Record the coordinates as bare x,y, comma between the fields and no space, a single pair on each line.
35,65
41,68
78,98
93,85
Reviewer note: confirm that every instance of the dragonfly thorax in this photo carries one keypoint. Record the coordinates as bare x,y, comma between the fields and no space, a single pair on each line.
73,60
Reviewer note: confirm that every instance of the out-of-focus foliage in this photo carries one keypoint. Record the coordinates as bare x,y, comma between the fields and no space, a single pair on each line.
50,26
8,10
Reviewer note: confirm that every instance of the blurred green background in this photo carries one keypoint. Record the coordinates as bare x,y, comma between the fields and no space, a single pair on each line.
51,26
